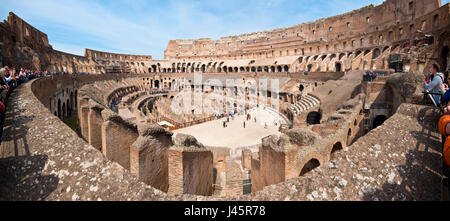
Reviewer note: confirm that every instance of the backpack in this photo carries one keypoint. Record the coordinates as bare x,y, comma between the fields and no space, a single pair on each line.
2,107
446,152
442,124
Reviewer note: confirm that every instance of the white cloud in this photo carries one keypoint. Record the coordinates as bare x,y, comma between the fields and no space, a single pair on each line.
143,27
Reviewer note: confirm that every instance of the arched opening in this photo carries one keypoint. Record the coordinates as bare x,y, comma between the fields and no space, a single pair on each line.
379,120
203,68
59,109
338,67
310,165
301,87
309,67
157,83
75,99
272,69
366,52
336,147
286,68
266,69
376,53
313,117
259,69
236,69
279,68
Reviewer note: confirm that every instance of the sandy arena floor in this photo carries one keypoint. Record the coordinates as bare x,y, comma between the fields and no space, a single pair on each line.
213,133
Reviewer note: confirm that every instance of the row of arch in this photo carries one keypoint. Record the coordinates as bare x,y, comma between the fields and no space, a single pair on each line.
65,107
303,63
188,68
314,162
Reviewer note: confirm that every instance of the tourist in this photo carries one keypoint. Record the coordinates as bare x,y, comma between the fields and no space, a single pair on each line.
444,129
255,119
4,87
437,79
244,124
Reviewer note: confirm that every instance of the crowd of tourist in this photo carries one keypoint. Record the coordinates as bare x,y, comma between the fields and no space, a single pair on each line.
11,78
436,86
231,114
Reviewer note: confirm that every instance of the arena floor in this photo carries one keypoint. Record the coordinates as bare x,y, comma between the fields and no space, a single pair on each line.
213,133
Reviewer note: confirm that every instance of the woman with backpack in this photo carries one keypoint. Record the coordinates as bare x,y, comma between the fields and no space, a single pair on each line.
434,84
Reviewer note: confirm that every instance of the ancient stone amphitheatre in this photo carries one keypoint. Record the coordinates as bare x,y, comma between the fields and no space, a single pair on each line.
128,127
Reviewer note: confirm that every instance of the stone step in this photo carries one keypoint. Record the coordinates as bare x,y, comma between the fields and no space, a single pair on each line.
311,101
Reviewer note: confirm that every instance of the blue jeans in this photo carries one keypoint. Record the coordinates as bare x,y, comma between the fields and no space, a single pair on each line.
437,99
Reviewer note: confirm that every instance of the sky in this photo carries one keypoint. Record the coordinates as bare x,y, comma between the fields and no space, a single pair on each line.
145,27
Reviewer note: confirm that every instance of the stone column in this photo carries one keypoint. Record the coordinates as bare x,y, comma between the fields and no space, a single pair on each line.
247,159
95,122
82,102
175,167
84,112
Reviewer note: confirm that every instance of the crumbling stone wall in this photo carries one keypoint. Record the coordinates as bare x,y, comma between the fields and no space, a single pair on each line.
190,167
300,150
387,27
272,161
117,137
149,155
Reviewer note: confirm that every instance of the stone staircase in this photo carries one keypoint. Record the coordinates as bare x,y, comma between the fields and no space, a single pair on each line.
304,104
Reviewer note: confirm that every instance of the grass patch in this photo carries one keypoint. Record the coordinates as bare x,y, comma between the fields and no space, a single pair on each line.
72,122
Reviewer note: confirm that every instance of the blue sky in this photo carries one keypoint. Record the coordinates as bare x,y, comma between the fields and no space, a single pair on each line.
146,26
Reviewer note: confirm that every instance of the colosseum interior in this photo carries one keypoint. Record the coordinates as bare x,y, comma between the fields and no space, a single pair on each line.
317,129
